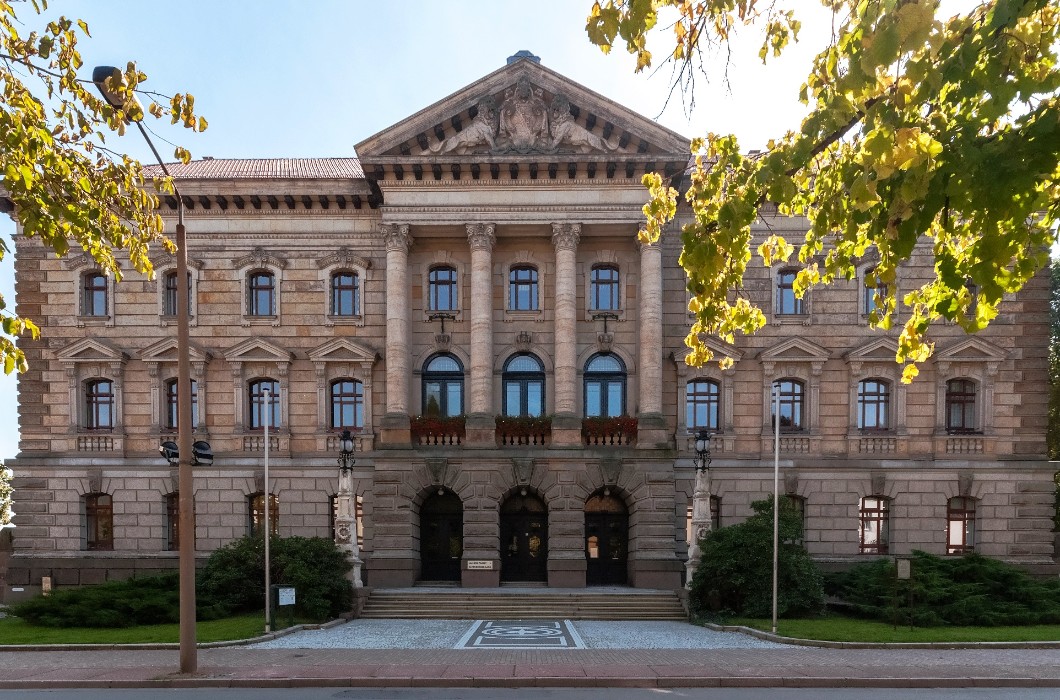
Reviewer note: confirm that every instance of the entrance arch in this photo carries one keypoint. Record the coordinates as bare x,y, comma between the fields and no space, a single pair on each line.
524,538
606,540
441,537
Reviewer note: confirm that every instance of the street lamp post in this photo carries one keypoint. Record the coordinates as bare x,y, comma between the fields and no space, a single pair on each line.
185,483
346,518
701,520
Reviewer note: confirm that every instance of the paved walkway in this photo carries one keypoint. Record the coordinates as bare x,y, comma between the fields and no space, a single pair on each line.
719,659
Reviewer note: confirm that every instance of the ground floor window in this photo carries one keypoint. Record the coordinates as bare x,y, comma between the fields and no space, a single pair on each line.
99,522
256,513
960,525
875,525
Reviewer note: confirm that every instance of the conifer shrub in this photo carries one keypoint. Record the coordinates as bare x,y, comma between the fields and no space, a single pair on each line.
150,600
735,572
970,590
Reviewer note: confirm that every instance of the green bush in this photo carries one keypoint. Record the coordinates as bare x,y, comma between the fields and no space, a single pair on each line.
735,573
233,579
137,601
968,590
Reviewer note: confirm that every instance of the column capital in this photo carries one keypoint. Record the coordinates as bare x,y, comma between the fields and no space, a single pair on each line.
481,236
646,245
566,236
396,237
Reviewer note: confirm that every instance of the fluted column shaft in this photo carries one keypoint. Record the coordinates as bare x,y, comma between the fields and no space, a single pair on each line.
481,239
398,240
565,240
651,329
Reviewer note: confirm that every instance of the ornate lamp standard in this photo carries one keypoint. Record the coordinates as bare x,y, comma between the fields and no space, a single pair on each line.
346,519
700,503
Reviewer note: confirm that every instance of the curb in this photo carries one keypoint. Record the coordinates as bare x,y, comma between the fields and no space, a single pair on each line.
824,644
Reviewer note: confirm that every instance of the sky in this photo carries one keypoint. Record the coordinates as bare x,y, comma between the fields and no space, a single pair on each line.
310,78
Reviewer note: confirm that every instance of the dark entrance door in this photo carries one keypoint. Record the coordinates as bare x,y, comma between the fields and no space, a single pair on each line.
441,537
606,540
524,539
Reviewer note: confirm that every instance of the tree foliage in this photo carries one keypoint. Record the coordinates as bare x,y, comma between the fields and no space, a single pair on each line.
5,496
68,188
922,128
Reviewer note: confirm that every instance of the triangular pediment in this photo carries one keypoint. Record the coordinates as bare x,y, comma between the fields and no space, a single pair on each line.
91,350
876,349
970,350
257,350
795,350
523,111
165,350
343,350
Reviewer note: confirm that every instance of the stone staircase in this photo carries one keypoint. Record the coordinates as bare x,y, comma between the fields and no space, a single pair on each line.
523,604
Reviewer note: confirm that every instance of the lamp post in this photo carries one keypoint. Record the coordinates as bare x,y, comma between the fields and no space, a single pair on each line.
701,520
185,483
346,518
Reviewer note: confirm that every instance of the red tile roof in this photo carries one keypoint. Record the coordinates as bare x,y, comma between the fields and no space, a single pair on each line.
263,168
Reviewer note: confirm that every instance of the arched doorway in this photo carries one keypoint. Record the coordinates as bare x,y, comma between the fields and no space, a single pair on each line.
441,537
606,540
524,539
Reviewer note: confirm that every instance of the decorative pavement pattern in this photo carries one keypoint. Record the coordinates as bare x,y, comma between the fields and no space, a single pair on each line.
521,634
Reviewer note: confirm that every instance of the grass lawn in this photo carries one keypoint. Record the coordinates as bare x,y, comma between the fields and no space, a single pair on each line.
845,629
16,631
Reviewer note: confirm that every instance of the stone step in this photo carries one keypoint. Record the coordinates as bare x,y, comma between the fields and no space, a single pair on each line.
457,605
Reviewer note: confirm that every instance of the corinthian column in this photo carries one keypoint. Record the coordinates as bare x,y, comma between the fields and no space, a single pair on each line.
480,424
566,427
395,424
651,427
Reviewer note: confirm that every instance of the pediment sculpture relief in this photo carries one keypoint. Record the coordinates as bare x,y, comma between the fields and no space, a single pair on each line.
523,124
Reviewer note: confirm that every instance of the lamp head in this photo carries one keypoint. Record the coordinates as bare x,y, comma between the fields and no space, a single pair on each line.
169,450
346,443
202,453
702,442
111,85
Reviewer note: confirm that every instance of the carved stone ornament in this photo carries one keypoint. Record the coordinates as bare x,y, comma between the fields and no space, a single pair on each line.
259,257
396,237
566,236
480,132
523,119
604,341
964,483
443,341
95,481
879,483
610,469
437,466
481,236
567,132
523,341
523,470
342,533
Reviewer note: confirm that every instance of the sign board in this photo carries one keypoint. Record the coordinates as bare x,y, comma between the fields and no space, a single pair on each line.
285,596
46,585
480,565
905,569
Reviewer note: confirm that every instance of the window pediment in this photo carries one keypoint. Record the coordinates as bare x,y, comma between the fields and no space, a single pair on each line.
91,350
972,351
258,350
343,350
165,350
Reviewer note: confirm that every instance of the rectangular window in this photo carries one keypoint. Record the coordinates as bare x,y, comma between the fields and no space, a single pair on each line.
256,506
603,288
522,289
442,288
787,303
960,525
875,525
261,291
701,404
345,294
94,295
99,522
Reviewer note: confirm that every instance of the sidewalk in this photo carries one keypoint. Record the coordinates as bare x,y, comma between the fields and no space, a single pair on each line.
790,666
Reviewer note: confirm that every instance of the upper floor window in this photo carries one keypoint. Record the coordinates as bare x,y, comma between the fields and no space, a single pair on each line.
961,406
605,386
873,288
345,294
93,294
792,405
524,386
443,386
603,288
874,405
787,303
256,514
99,521
172,418
442,287
261,293
702,404
347,404
522,289
960,525
262,409
875,522
169,294
99,404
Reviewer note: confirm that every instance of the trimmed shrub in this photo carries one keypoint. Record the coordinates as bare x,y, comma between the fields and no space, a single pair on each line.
137,601
735,573
967,590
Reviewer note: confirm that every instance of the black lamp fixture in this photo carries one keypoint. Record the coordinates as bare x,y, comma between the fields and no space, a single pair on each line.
201,453
703,450
347,450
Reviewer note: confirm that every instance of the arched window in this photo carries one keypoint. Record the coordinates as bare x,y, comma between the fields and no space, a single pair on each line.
443,386
261,293
93,294
347,404
524,386
961,404
99,405
874,405
787,303
171,421
256,514
99,521
702,402
792,405
522,289
260,412
875,520
169,293
345,294
603,288
605,386
960,525
441,282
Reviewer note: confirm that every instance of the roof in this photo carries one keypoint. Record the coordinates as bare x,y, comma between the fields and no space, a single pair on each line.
263,168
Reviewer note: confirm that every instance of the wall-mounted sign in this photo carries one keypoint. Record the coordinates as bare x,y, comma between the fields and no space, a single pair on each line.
905,569
479,565
285,596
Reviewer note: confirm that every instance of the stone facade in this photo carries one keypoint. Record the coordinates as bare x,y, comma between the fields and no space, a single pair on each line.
523,170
